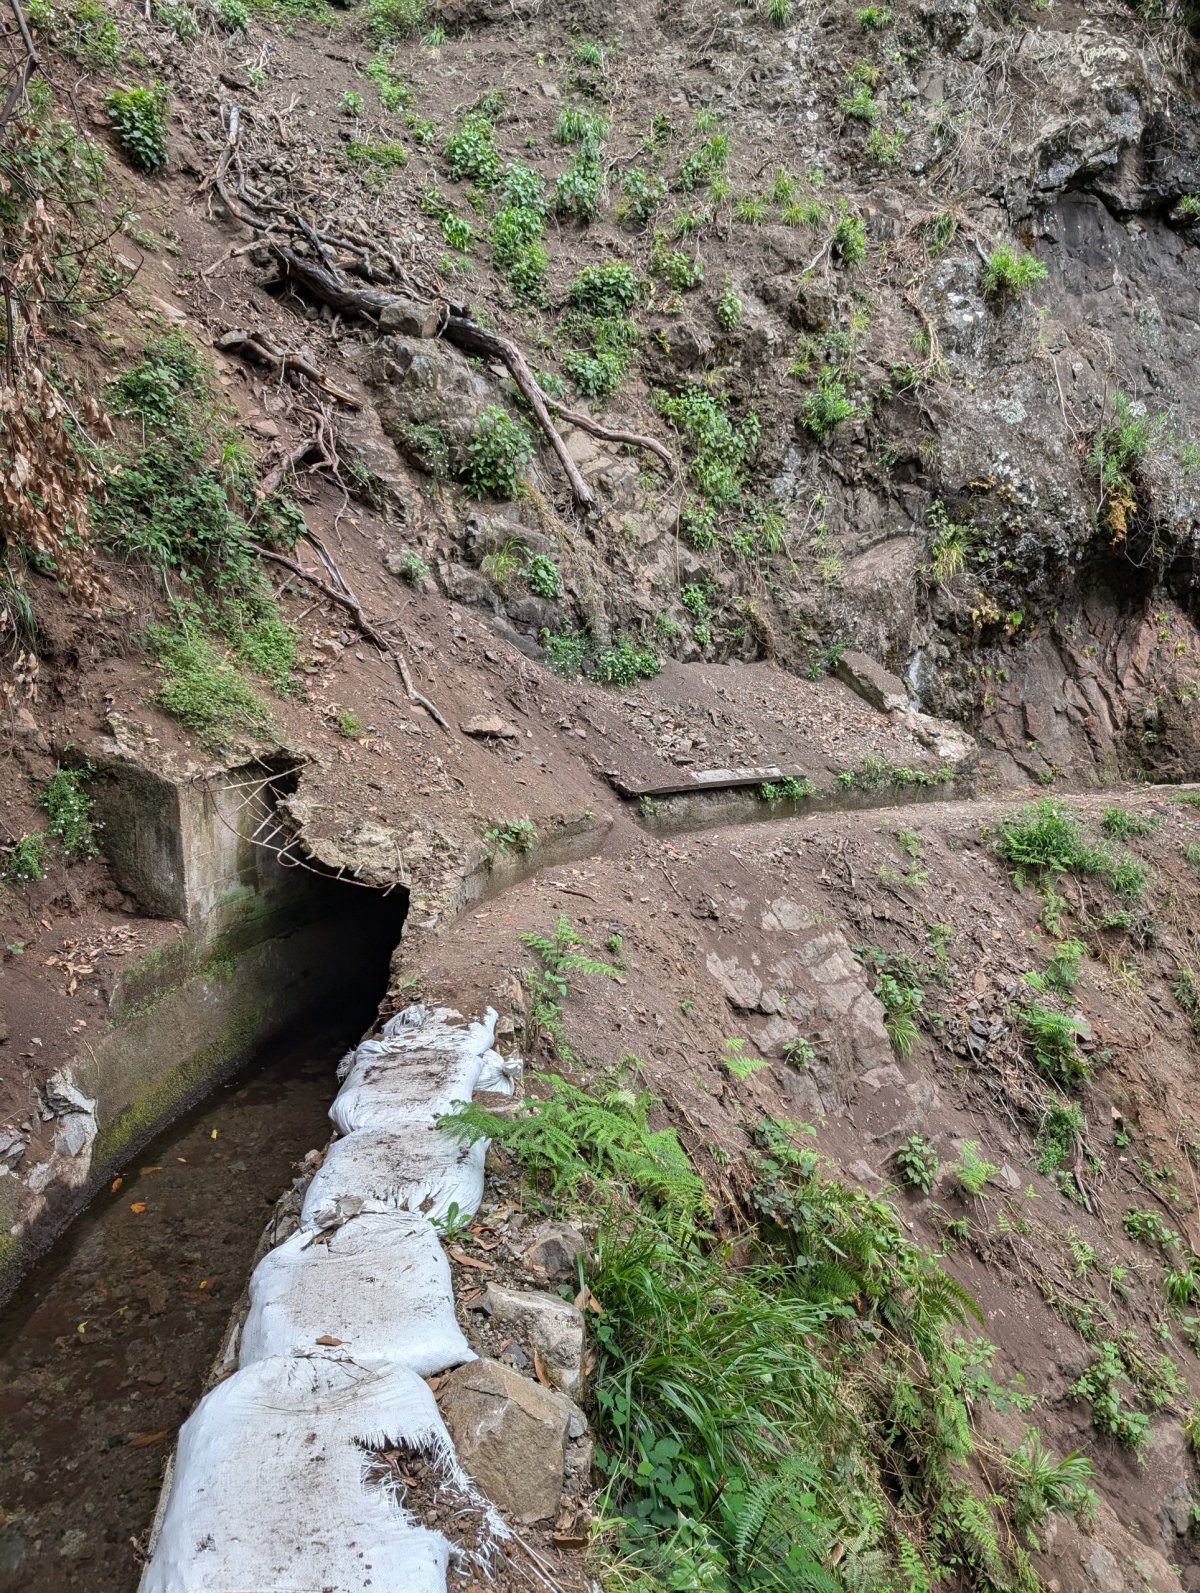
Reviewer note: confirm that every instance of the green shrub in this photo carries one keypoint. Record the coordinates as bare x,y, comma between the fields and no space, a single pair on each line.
394,92
721,448
683,273
348,724
351,104
829,406
138,117
1007,273
522,188
899,989
83,30
509,835
577,125
579,190
1053,1037
390,20
1119,448
1061,1129
69,810
605,290
849,236
729,307
623,665
471,151
413,569
643,195
233,15
971,1170
1102,1383
1047,838
518,252
566,652
498,455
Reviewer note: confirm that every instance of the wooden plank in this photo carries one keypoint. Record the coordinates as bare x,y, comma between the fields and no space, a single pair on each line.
706,780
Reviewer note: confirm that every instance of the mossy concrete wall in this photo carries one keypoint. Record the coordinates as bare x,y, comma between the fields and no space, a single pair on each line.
265,949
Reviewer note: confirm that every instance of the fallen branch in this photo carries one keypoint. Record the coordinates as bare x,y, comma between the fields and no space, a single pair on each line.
255,346
346,598
606,434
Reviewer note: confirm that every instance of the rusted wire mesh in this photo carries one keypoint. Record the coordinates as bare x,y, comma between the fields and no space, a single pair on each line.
18,58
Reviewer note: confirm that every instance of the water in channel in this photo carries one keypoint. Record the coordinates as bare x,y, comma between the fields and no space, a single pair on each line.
105,1347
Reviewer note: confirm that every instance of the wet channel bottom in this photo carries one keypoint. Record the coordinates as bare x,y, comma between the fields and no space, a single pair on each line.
105,1348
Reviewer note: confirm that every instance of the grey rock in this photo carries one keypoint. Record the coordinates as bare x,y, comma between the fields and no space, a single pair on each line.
511,1436
551,1327
554,1248
490,726
1101,1565
409,317
64,1097
872,682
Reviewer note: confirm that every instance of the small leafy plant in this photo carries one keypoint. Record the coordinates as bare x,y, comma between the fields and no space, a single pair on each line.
498,455
138,117
509,835
23,860
69,811
917,1163
971,1170
541,576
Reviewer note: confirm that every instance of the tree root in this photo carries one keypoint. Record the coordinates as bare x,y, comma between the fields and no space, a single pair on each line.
342,595
369,304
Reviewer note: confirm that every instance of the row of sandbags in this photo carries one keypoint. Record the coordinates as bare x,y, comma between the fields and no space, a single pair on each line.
270,1491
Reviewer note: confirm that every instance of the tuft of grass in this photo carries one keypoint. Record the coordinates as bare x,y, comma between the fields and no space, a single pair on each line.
1123,825
1009,273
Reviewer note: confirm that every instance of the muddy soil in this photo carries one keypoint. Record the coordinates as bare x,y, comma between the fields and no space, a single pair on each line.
106,1347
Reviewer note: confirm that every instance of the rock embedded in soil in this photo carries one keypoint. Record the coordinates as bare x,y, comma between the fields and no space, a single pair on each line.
551,1328
511,1435
872,682
554,1248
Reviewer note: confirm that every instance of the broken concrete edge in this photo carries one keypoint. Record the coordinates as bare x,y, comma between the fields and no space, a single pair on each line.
511,1433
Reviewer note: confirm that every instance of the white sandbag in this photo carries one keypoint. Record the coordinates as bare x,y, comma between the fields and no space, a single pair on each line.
269,1494
382,1092
441,1028
380,1283
415,1169
498,1074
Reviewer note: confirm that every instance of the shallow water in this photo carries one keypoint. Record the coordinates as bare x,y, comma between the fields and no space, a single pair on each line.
105,1348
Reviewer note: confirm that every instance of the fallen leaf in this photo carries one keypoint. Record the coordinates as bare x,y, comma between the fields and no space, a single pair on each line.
471,1261
144,1170
137,1205
214,1133
328,1339
116,1183
571,1540
203,1284
585,1300
144,1440
539,1370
